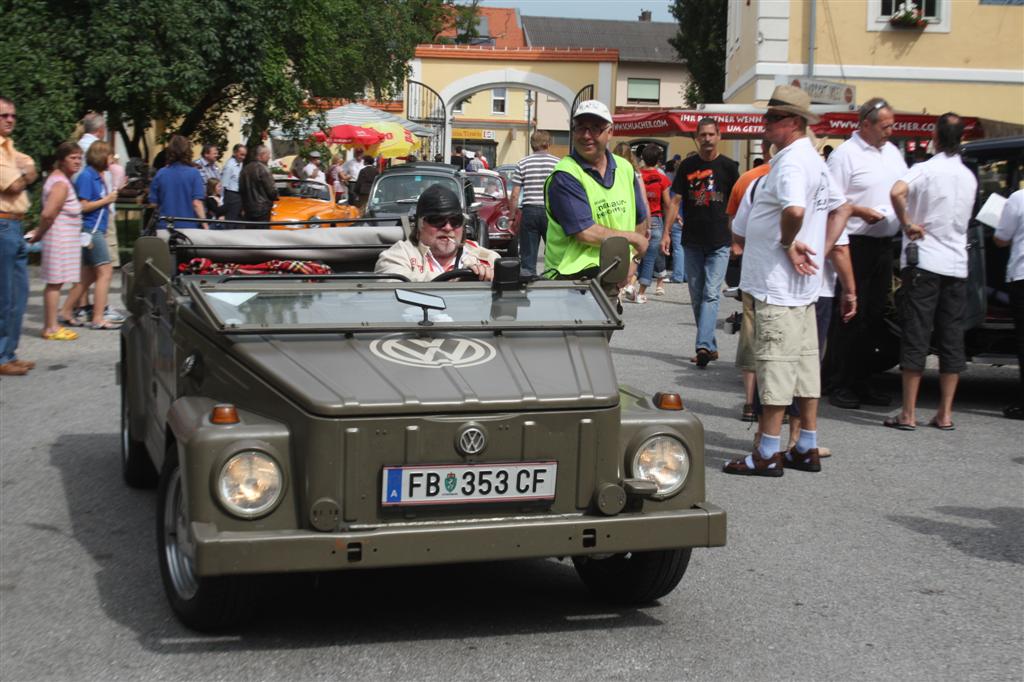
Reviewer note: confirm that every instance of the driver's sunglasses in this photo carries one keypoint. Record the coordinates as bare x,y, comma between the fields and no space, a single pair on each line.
439,221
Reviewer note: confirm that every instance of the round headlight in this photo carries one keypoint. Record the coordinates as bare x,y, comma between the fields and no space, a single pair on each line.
503,223
664,460
249,484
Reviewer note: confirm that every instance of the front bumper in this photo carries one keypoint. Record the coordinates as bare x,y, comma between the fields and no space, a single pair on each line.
224,553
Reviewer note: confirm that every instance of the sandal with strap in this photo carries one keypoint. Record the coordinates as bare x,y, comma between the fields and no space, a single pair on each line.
102,325
70,322
62,334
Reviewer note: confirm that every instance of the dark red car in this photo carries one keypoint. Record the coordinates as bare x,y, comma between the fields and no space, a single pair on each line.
496,211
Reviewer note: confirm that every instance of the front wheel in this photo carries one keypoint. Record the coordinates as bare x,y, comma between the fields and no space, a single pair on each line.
201,603
633,577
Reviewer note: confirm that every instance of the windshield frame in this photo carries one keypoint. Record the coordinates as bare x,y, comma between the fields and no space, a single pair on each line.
199,286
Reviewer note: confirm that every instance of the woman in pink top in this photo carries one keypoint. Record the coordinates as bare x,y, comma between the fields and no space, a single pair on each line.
60,227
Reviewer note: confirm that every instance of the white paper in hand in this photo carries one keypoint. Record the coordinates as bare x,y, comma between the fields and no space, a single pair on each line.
992,210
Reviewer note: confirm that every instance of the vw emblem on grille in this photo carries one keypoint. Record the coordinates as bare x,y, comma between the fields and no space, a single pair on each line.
446,351
471,441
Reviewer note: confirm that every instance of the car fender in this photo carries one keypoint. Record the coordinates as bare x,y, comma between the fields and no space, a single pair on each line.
204,447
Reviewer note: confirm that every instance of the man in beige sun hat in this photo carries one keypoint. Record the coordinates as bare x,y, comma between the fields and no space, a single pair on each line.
795,219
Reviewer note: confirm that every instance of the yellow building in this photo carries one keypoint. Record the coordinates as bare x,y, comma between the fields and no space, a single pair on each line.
966,56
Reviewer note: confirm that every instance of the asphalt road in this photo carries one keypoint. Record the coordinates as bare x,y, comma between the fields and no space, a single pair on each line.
901,560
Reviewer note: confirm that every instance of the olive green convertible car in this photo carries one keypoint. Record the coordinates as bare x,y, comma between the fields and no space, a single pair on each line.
316,423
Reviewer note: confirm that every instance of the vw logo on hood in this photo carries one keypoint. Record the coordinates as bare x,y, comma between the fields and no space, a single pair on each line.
448,351
471,441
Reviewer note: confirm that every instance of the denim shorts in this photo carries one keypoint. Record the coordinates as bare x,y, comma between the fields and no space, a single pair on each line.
99,254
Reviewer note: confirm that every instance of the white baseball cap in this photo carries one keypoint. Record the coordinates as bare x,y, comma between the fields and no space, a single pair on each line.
468,154
314,155
592,107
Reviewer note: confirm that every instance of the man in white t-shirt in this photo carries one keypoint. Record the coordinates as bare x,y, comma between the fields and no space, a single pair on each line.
865,168
313,171
350,172
796,217
1011,233
933,203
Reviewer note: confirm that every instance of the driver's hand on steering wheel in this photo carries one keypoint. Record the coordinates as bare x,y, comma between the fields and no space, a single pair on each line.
483,271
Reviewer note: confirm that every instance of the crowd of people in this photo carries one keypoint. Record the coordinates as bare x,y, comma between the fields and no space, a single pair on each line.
810,234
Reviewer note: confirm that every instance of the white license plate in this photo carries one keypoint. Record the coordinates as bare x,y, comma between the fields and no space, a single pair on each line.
461,484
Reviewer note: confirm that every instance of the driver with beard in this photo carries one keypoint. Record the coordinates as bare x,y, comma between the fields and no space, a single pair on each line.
437,242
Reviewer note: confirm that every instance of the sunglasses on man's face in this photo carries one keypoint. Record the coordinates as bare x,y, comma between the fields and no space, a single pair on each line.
775,118
592,130
439,221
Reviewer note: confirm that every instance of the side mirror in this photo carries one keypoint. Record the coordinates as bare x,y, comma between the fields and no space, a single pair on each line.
614,267
152,262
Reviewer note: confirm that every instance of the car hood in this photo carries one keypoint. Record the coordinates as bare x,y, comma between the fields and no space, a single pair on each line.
297,208
331,375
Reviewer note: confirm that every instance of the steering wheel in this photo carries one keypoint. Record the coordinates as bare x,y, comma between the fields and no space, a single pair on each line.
457,274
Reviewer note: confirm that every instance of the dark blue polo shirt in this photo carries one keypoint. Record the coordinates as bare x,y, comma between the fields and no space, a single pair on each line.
173,190
567,200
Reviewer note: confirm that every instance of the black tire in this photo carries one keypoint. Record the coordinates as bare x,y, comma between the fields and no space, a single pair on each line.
634,577
204,604
136,466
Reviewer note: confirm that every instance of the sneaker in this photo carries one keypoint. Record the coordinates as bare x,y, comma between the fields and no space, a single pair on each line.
83,313
628,293
660,289
114,315
771,467
713,355
808,461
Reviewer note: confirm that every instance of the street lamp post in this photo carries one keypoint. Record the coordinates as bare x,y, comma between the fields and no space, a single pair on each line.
529,118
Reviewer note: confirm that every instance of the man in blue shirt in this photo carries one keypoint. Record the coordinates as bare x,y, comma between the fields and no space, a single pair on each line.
569,204
177,189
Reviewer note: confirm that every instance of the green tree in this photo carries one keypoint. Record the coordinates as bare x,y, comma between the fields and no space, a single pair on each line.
186,63
700,43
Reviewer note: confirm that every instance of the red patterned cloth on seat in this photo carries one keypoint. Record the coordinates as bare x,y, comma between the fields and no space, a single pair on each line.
205,266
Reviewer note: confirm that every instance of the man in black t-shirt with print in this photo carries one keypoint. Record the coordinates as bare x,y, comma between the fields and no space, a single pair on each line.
704,182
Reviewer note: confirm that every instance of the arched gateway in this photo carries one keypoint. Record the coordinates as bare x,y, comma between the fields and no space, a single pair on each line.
443,76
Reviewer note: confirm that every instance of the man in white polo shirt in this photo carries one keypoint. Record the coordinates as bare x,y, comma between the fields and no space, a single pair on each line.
933,203
796,217
1011,233
865,168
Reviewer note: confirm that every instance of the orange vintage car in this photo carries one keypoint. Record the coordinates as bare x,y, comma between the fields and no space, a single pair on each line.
307,200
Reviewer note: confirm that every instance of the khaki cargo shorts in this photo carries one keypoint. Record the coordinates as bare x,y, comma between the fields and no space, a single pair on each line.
785,346
745,349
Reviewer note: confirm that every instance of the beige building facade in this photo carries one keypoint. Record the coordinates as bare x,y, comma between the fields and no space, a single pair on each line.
968,56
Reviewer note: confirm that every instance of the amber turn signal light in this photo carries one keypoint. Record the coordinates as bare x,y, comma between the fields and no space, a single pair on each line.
668,401
224,414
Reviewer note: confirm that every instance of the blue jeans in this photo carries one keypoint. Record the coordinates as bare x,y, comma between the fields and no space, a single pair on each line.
13,287
533,226
646,273
678,260
705,272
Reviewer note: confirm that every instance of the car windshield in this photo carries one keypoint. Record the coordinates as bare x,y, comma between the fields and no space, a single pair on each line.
305,189
486,185
398,193
234,307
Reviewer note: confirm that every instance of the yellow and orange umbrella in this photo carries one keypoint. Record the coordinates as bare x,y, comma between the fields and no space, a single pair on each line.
397,140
